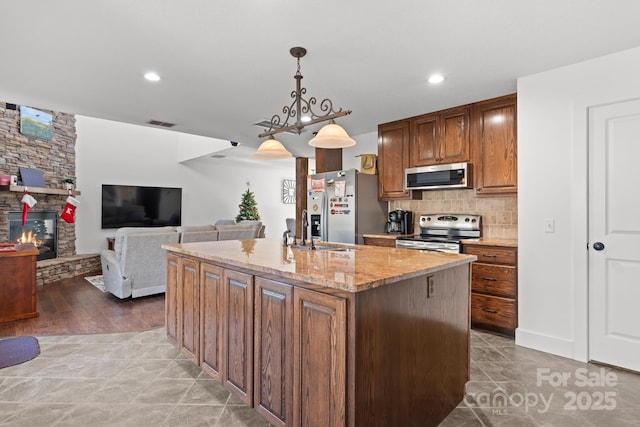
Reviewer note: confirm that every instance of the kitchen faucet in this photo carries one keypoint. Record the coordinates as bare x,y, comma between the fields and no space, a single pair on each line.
304,224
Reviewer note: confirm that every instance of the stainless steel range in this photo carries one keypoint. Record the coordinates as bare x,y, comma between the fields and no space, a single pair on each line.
442,233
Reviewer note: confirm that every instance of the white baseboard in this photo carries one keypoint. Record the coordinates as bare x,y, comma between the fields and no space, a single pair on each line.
547,343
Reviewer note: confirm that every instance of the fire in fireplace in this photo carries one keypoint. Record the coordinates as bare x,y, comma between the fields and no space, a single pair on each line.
39,229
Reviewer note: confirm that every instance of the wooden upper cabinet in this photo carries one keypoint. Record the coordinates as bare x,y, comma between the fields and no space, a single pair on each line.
440,137
393,158
494,139
423,149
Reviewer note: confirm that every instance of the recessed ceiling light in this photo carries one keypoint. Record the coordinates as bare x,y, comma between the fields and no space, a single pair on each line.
436,78
152,77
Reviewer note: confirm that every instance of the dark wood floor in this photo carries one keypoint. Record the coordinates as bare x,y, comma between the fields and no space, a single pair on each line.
74,306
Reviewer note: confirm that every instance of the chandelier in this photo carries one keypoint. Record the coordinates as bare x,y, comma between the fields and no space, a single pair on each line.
302,111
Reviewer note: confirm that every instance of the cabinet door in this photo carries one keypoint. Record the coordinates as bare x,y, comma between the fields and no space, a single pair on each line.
393,158
171,299
237,374
495,145
440,137
273,351
454,135
424,150
319,359
211,290
189,307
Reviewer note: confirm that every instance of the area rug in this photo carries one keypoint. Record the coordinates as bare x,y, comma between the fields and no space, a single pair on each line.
18,350
96,281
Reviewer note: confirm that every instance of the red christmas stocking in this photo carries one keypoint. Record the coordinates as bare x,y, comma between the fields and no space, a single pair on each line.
69,212
27,203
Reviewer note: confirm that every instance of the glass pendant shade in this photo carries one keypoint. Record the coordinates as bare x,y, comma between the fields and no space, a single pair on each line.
332,136
271,149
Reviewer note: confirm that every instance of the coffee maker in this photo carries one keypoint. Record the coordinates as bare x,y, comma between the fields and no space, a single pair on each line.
400,222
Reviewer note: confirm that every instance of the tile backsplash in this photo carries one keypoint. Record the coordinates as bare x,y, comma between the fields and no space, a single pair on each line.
499,214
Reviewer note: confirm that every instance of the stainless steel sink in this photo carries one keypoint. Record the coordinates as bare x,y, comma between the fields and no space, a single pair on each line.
323,248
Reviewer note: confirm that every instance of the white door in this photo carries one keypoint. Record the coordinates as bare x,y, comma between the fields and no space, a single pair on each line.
614,234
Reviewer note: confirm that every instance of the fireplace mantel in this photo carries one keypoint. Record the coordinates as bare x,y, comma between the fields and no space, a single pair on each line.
40,190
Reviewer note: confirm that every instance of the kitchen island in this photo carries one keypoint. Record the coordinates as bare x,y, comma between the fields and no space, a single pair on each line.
344,335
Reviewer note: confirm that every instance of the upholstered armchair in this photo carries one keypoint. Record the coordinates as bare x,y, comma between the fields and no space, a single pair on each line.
137,265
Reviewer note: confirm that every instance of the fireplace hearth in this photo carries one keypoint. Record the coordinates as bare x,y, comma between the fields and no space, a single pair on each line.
40,229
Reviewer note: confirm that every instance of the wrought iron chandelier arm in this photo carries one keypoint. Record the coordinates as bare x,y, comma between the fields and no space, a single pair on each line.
301,106
294,128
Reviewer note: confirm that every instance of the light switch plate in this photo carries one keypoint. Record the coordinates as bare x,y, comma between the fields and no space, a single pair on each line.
549,225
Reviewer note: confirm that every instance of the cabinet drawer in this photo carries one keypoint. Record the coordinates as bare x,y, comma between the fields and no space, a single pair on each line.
495,311
380,241
492,254
493,279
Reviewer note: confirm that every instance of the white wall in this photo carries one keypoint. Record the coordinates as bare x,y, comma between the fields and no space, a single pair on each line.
366,143
109,152
552,183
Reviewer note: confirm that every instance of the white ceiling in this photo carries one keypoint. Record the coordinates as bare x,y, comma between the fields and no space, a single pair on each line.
225,64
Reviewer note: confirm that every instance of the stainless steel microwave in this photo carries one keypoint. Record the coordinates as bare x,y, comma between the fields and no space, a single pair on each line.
452,175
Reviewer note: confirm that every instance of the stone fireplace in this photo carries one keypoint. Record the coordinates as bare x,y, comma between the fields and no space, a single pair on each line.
40,228
56,158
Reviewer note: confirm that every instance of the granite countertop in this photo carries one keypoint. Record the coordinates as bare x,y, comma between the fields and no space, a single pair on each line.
484,241
355,269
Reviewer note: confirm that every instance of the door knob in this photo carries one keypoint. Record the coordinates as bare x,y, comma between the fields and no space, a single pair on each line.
598,246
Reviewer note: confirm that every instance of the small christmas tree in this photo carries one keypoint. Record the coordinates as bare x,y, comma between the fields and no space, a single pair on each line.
248,207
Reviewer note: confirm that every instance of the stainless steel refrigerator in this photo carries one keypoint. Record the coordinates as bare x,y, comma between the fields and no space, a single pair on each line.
343,205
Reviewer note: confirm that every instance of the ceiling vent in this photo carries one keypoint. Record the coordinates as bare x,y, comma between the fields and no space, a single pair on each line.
161,124
266,124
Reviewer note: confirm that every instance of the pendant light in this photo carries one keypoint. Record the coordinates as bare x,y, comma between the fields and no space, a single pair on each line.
271,149
332,136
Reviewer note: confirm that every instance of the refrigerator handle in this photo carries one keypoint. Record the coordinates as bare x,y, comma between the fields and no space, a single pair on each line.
325,217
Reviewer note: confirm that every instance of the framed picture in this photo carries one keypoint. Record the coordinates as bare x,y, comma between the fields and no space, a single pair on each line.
288,191
36,123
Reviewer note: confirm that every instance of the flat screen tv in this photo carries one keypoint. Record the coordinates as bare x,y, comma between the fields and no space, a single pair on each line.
136,206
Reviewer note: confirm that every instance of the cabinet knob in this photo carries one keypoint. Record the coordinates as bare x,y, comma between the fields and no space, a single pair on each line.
598,246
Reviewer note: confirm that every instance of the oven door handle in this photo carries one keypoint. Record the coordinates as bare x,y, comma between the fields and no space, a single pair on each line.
433,250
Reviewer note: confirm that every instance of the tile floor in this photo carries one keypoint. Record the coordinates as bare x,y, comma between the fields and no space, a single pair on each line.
516,386
138,379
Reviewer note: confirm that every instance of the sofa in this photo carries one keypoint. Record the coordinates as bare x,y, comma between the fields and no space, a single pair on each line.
136,266
221,230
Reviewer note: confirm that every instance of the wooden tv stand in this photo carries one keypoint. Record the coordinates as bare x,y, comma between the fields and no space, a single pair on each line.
18,283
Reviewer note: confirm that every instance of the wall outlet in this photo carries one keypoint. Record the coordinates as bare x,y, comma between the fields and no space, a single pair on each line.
549,225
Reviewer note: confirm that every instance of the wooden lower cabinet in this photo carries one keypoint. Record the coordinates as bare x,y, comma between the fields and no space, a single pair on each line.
18,283
237,334
171,299
211,291
494,291
380,241
299,355
273,352
189,308
390,355
319,361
